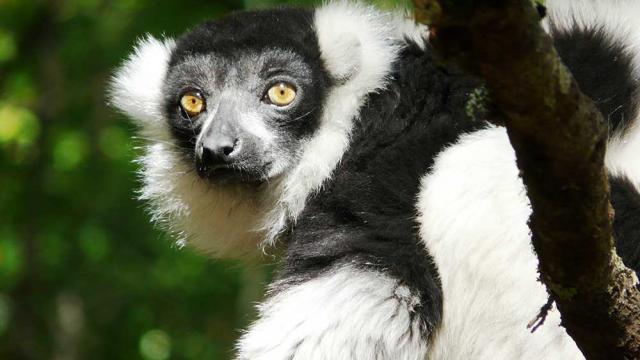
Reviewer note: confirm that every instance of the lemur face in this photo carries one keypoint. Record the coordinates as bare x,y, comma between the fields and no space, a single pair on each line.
240,107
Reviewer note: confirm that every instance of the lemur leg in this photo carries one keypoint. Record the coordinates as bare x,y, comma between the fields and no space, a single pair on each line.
347,312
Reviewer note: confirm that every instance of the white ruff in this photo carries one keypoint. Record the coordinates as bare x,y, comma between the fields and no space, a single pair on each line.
473,215
346,314
215,221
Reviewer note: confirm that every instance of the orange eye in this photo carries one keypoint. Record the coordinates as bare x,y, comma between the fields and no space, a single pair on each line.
281,94
192,103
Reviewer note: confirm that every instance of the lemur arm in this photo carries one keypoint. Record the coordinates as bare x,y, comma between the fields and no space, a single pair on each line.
348,291
345,313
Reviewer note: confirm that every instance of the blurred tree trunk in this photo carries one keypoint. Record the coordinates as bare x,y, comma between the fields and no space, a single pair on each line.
28,324
560,140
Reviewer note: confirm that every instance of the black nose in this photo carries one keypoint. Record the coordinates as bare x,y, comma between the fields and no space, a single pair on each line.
215,155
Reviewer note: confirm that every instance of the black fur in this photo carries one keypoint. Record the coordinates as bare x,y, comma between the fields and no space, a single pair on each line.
626,224
246,31
604,71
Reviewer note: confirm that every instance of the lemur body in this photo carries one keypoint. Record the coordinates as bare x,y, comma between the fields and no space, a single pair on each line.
404,221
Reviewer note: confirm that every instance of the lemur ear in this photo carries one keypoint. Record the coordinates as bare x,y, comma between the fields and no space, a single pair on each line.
136,88
343,57
357,42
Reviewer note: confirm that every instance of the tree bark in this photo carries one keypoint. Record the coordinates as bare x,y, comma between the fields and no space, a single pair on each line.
560,140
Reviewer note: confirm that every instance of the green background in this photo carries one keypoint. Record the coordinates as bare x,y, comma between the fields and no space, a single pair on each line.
83,275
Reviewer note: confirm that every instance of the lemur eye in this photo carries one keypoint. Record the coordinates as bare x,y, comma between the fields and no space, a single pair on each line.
192,103
281,94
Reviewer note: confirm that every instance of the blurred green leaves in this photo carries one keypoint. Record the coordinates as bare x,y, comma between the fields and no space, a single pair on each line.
94,243
8,48
70,150
19,125
82,272
114,143
155,345
10,258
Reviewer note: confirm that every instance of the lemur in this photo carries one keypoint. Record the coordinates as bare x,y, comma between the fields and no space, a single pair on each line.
333,131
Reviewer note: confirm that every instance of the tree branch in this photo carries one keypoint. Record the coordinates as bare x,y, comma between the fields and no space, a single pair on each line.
560,140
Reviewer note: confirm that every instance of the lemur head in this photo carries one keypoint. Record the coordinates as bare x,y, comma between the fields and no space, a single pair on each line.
241,97
245,116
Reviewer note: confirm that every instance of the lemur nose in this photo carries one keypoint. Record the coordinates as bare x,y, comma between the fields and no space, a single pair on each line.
218,154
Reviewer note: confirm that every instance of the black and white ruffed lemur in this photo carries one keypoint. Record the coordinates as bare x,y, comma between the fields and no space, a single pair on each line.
333,131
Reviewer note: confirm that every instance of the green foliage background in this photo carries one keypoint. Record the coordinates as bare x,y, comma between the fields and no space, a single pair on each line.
83,275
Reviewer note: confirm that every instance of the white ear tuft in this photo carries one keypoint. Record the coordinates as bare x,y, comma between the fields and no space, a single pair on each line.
345,58
136,88
357,42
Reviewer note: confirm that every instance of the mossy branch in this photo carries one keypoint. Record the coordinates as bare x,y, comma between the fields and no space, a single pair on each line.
560,141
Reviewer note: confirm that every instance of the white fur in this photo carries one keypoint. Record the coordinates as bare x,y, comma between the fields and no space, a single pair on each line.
623,155
346,314
215,220
136,89
473,215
